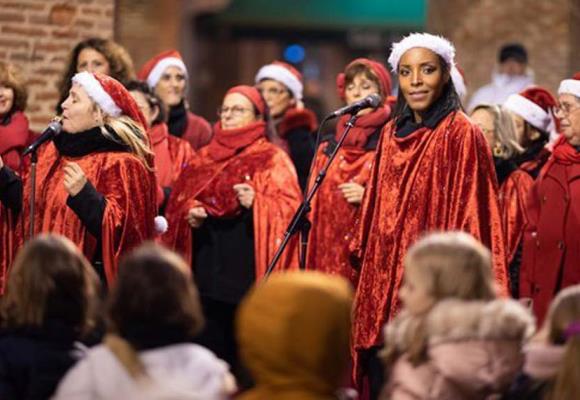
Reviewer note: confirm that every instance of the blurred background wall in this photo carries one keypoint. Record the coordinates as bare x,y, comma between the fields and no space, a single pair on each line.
224,42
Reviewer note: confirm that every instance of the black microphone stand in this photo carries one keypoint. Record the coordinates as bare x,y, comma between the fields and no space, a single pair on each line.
33,161
300,221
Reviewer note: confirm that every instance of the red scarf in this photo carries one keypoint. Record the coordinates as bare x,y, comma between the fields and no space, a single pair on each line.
15,134
228,142
564,153
364,126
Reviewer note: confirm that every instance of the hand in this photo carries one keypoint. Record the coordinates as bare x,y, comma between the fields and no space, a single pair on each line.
352,192
196,216
245,194
74,178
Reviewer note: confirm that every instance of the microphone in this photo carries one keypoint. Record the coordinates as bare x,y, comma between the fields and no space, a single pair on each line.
372,101
49,133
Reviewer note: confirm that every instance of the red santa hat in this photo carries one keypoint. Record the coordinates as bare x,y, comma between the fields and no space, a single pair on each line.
252,94
376,67
153,69
535,105
285,74
110,95
570,86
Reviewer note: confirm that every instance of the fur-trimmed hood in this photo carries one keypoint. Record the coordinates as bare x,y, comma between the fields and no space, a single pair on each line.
474,349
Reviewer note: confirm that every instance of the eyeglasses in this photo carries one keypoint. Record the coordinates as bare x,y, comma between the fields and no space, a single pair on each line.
235,110
565,109
272,91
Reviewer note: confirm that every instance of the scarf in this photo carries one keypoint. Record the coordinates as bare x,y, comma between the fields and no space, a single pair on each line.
229,142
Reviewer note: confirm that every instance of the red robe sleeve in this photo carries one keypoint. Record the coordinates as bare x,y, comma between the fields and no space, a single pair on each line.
277,198
512,196
129,189
7,245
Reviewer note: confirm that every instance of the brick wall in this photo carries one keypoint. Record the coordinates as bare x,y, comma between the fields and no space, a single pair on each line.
38,35
549,30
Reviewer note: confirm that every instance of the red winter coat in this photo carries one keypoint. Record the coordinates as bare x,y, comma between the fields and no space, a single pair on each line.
551,253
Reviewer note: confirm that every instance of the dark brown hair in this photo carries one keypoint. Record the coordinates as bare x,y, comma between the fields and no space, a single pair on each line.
360,68
152,99
12,78
50,279
154,292
120,63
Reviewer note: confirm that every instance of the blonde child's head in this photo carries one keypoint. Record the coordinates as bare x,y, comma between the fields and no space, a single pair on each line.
439,266
446,265
562,327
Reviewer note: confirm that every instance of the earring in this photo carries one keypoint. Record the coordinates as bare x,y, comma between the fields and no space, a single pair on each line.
498,150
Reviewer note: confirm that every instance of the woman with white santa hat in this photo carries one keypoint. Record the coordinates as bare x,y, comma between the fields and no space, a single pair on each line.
94,182
282,85
533,113
551,250
433,171
167,75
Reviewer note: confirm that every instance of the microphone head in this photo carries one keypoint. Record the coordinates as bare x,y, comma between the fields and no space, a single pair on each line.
374,100
55,125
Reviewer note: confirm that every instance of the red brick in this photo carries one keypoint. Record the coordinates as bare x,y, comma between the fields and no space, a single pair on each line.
22,6
40,120
46,96
8,17
52,47
62,14
84,23
93,11
68,33
25,31
13,43
35,82
47,71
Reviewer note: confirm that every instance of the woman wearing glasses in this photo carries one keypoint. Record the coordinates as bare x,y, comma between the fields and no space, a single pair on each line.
228,213
551,253
282,86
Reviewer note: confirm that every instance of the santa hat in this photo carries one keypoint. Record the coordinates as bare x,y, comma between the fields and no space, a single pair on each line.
436,44
252,94
110,95
535,105
458,79
376,67
570,86
285,74
153,69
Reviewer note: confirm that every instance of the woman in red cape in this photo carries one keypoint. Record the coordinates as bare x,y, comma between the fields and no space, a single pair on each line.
551,253
172,154
497,125
228,213
433,172
14,136
95,182
337,203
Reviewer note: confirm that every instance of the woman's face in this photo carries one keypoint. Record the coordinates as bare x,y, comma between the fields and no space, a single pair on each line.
6,99
149,113
359,88
569,115
520,128
236,111
414,293
79,112
484,120
421,79
277,96
92,61
171,86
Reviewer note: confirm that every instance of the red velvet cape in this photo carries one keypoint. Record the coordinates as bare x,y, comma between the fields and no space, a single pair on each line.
209,184
430,180
129,190
513,193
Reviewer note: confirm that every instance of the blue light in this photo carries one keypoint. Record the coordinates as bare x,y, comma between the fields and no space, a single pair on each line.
294,53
